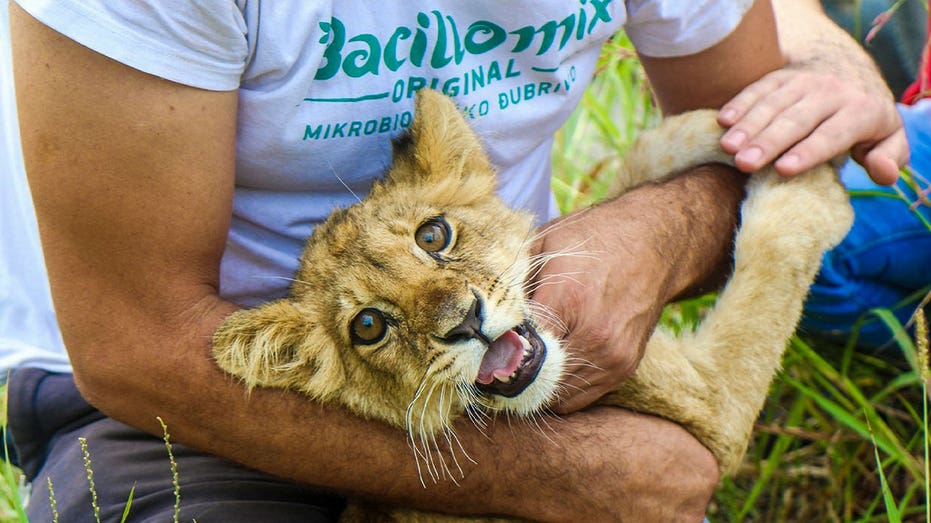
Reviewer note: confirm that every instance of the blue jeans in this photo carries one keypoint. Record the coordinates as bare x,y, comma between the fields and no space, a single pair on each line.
885,260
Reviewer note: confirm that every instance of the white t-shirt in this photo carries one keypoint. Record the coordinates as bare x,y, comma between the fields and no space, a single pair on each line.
323,87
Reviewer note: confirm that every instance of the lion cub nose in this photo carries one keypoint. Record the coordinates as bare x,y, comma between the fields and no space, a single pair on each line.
471,326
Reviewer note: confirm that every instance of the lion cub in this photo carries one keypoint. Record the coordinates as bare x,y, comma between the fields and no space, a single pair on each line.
409,306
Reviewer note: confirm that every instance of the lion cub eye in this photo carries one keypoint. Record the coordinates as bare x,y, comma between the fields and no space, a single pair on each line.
368,327
433,235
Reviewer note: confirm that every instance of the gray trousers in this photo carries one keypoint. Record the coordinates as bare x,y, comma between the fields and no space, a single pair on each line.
47,415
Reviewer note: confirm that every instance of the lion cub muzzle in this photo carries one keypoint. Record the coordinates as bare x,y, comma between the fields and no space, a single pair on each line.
511,362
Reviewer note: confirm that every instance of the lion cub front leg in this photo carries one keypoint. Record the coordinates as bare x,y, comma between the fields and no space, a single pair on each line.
714,381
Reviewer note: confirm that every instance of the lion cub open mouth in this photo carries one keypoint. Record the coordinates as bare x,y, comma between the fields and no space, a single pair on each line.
512,362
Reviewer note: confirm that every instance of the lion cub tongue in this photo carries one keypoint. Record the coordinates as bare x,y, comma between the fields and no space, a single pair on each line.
502,358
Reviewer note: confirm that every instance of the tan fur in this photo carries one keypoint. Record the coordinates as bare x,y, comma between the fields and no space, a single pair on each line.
712,381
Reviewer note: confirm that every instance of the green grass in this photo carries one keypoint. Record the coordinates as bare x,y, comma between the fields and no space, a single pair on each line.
11,509
843,436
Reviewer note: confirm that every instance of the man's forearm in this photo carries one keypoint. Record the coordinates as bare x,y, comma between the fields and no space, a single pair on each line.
171,375
521,469
691,219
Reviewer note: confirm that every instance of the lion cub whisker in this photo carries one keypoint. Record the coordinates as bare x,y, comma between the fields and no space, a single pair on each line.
538,421
540,311
428,437
541,232
551,279
575,362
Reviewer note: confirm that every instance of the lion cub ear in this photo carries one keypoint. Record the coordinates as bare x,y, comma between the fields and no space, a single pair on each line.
276,345
441,150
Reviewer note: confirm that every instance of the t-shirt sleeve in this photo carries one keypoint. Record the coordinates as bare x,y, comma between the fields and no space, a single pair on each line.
677,28
200,43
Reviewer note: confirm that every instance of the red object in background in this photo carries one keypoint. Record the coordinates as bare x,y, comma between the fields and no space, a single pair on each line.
922,86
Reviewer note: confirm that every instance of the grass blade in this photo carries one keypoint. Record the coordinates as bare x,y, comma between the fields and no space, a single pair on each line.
9,478
129,504
892,509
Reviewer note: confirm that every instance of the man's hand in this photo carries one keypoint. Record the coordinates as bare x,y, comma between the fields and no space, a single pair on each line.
605,316
801,118
624,260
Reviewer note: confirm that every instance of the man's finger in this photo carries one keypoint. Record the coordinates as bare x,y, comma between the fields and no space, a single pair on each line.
831,138
884,159
740,105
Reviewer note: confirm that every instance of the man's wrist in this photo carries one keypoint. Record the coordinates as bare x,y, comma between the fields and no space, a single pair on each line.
814,43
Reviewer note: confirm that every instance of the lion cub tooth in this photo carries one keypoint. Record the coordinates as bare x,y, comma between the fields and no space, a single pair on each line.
526,343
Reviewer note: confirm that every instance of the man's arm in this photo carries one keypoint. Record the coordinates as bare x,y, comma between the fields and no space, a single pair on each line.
132,178
659,242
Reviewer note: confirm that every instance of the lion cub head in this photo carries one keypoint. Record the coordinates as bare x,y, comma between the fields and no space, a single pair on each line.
409,306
